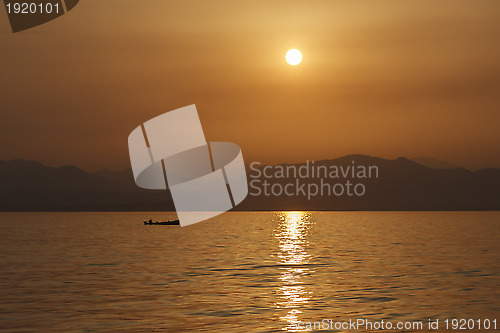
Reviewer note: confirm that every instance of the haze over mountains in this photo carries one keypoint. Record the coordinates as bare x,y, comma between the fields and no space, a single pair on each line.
402,185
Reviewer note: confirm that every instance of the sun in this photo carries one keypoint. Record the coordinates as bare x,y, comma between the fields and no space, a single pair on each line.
293,57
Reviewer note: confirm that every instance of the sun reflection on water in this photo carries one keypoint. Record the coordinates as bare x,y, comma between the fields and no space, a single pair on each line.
292,236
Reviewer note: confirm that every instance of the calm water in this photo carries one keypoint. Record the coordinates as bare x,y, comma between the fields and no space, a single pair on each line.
244,272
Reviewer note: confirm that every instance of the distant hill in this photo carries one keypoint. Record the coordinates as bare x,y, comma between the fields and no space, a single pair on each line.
32,186
21,175
402,185
123,178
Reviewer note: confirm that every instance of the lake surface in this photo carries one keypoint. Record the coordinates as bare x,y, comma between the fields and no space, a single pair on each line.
245,272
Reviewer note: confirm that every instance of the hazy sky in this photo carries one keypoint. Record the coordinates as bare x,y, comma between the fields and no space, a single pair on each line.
383,78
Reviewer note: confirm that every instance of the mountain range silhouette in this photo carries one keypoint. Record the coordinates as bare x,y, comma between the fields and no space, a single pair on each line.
402,184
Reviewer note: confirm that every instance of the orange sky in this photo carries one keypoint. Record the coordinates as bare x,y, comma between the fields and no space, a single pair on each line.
385,78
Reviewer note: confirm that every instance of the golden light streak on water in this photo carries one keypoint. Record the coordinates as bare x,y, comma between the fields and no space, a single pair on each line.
292,236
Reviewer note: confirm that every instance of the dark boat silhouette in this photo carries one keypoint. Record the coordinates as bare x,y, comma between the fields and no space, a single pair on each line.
173,222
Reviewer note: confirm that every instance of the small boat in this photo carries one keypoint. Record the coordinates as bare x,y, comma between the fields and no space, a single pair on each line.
173,222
